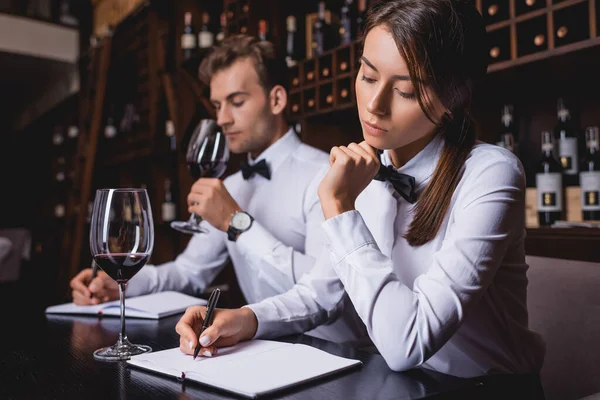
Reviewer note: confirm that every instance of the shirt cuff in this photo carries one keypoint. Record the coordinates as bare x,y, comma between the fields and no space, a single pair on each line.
267,318
256,242
345,234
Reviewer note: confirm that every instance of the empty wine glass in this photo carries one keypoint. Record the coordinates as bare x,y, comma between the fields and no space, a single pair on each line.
206,156
121,242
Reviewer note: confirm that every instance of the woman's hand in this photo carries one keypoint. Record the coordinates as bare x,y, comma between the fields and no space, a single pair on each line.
228,328
352,169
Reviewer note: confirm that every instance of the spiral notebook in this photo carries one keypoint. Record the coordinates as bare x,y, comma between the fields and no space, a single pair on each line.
252,369
150,306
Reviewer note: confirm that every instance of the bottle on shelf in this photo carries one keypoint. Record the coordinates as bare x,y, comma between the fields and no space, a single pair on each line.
188,37
66,16
223,28
168,208
363,6
320,31
170,133
348,22
508,134
205,38
58,137
565,134
263,29
291,49
549,184
589,177
110,129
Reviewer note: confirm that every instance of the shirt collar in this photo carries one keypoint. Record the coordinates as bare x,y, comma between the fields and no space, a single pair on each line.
421,166
278,151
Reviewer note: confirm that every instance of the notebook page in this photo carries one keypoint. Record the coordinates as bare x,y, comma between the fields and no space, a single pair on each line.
250,368
162,303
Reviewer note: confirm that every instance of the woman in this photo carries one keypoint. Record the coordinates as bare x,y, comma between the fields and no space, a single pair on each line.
441,282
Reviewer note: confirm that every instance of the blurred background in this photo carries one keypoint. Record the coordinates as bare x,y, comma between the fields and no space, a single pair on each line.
105,93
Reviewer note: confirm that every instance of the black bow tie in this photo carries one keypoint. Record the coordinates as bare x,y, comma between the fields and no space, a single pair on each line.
404,184
260,168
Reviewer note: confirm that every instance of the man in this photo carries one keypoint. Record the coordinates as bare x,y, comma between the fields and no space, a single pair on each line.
267,221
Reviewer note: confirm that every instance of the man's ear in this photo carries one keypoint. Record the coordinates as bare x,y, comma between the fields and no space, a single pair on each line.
278,99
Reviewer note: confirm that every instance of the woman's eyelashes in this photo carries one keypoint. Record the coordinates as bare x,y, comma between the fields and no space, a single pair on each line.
409,96
366,79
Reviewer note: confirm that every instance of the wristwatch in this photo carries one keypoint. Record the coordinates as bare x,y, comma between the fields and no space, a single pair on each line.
240,222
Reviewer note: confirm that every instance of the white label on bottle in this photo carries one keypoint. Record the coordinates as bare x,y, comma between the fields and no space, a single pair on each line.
567,151
590,190
188,41
110,131
60,176
549,191
205,39
168,211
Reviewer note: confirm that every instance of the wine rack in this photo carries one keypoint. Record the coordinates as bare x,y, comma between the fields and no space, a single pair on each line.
328,78
537,29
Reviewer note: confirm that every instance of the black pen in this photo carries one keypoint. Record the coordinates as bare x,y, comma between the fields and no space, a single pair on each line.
210,310
94,274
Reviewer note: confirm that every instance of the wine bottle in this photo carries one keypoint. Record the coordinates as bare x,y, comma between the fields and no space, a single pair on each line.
548,181
361,19
110,130
223,29
66,17
263,29
566,136
589,176
508,134
347,22
168,208
188,38
57,137
170,134
291,57
320,31
205,38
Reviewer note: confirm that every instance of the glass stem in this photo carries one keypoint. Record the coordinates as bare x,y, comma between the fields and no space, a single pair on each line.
122,335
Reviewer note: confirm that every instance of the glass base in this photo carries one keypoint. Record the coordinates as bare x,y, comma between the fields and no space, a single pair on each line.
120,352
187,227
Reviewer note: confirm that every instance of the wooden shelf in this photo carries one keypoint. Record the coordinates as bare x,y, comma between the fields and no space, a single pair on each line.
558,51
533,14
566,243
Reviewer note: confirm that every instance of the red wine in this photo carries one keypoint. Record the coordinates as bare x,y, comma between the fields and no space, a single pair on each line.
121,266
213,169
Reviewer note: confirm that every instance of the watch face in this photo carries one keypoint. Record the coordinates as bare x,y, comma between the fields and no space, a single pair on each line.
241,221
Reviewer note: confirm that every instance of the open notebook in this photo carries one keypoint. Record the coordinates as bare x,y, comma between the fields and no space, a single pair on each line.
252,368
151,306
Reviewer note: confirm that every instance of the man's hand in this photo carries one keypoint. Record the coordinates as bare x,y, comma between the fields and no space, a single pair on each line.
210,199
86,291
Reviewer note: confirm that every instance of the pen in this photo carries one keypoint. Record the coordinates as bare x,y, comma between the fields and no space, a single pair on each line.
94,274
210,310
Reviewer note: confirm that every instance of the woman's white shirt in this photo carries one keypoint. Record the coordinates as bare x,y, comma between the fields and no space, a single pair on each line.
456,304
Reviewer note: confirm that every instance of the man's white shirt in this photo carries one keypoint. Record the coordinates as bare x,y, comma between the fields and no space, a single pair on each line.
282,243
456,304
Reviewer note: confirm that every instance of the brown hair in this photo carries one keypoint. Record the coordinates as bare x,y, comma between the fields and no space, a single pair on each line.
270,68
444,45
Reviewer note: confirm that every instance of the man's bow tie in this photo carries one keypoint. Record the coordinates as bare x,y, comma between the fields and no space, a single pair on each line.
404,184
260,168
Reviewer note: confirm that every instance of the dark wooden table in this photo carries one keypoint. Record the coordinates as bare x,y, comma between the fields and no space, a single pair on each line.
50,357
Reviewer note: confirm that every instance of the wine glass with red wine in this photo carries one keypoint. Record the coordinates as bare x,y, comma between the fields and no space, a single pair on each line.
206,156
121,242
